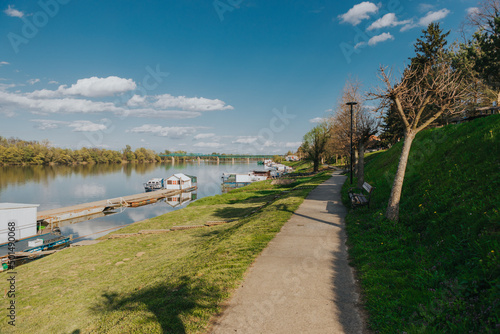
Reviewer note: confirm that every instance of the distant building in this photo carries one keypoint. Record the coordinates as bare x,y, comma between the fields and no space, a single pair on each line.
292,158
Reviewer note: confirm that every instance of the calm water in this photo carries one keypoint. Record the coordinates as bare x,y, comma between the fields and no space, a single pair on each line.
59,186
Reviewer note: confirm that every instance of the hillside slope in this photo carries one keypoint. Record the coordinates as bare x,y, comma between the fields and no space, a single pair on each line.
437,270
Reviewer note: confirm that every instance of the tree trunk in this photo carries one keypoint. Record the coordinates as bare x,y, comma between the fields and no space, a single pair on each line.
392,212
316,164
361,164
356,156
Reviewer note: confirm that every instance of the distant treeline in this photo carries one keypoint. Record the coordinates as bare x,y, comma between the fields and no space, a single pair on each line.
14,151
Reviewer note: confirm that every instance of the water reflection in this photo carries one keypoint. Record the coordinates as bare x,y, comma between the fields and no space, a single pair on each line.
58,186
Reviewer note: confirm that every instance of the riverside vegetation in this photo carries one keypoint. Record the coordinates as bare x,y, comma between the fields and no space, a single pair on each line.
158,283
436,270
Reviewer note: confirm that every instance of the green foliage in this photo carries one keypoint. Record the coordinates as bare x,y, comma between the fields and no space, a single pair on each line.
431,46
15,151
314,144
486,54
437,270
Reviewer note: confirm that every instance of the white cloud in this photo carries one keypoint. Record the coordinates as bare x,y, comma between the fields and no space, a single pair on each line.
136,100
33,81
47,124
78,126
158,113
86,126
190,103
174,132
425,7
360,44
208,145
359,12
472,11
90,87
68,105
245,140
388,20
53,82
409,26
433,16
4,63
6,86
100,87
427,19
69,100
204,135
316,120
380,38
294,144
13,12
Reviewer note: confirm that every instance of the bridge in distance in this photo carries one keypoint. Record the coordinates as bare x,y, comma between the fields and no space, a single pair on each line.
218,157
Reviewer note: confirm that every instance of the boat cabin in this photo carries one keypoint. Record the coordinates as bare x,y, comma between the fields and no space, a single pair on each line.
179,181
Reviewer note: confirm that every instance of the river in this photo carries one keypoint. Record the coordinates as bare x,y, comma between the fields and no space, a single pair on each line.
59,186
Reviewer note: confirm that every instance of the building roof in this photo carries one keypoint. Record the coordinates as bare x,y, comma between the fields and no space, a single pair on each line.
180,176
7,206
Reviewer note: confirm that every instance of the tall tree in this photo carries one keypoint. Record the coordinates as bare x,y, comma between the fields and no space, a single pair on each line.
364,125
486,54
314,144
433,85
430,47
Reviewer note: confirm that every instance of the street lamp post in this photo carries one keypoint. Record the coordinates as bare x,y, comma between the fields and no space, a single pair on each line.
351,104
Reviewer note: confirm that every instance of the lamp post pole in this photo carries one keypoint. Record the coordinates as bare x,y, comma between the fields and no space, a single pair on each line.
351,104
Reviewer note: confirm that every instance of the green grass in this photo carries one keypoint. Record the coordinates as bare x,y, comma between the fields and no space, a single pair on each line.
164,283
437,269
302,166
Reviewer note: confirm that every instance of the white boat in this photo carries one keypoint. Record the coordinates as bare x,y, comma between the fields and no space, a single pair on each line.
242,179
154,184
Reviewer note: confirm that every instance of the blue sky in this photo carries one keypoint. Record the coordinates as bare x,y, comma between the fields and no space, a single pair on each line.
234,76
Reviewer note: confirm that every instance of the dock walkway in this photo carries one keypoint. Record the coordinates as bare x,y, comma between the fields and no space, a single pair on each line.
70,212
302,282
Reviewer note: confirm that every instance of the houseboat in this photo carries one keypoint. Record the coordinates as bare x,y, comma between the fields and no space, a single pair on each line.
154,184
177,181
26,238
235,180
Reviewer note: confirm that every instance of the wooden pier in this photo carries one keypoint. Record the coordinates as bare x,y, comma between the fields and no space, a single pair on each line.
55,216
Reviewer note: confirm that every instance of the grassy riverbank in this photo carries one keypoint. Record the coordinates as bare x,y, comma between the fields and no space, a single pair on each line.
437,270
157,283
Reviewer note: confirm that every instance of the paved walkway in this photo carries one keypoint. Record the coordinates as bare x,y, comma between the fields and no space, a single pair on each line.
301,283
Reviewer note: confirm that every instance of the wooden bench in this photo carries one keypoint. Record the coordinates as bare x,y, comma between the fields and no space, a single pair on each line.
358,198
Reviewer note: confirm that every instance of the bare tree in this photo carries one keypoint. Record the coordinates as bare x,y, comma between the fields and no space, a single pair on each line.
341,121
481,16
367,127
364,125
420,97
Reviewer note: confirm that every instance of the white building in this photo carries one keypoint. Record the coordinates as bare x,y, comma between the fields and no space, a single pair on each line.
21,218
179,181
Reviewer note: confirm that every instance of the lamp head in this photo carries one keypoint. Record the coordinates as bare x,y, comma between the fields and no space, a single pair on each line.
351,103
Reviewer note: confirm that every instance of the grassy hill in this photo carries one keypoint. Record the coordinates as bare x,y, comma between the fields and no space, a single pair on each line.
437,269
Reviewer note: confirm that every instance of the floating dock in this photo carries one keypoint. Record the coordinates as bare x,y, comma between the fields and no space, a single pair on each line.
55,216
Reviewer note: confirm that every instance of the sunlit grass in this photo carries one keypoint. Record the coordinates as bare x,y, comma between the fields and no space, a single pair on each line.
164,283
